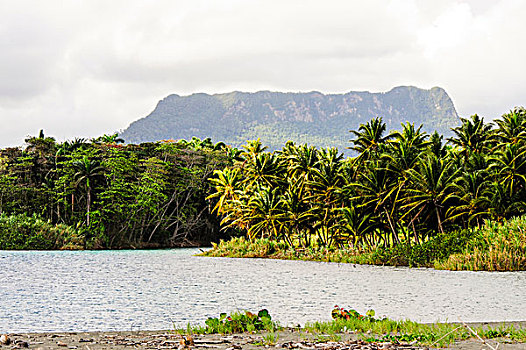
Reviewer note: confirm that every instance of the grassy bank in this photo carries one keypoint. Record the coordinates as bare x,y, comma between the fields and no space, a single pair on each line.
492,247
437,334
365,327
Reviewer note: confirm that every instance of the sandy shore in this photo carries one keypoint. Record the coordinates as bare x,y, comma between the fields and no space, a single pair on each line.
285,339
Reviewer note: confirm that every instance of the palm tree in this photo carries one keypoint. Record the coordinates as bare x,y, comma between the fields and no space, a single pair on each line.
264,215
512,127
436,146
227,183
108,139
325,192
369,137
302,161
357,226
375,193
407,146
473,136
87,171
264,169
431,187
472,191
297,215
511,161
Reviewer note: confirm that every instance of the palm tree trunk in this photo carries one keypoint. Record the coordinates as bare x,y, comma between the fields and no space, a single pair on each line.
439,221
88,204
396,240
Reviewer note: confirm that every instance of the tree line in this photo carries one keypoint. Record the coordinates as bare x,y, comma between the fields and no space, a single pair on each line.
405,186
115,195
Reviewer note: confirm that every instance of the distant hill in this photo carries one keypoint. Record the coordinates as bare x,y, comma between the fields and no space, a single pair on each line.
276,117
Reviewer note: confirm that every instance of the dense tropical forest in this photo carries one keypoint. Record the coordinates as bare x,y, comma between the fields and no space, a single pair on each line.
407,196
403,188
103,194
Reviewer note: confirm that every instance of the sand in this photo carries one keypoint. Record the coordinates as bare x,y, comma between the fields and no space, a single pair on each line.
285,339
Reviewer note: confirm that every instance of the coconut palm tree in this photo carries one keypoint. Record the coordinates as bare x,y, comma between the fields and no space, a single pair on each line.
511,164
512,127
369,137
473,136
472,191
431,188
228,186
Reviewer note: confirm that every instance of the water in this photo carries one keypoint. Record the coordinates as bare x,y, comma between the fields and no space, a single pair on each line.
132,290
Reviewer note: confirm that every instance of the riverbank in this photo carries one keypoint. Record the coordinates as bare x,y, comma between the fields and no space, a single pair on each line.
494,246
289,338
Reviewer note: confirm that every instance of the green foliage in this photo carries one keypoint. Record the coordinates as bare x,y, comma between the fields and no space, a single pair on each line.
276,118
405,199
116,196
387,330
493,247
31,232
239,322
339,313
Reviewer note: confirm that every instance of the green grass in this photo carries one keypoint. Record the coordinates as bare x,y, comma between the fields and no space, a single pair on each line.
493,247
386,330
367,328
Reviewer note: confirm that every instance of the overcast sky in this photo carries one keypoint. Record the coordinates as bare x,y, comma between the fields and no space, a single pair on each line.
88,67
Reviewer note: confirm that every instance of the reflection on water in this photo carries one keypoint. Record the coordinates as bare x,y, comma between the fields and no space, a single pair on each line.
124,290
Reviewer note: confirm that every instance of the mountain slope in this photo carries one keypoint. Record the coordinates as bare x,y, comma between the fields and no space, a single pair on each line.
276,117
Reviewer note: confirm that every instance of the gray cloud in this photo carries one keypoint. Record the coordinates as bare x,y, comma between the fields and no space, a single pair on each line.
87,67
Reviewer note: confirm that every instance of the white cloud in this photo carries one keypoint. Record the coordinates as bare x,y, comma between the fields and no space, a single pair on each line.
85,67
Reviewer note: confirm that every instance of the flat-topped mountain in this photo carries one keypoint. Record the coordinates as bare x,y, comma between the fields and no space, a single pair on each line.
276,117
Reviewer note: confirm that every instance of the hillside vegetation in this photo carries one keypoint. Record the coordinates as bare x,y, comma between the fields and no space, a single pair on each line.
275,117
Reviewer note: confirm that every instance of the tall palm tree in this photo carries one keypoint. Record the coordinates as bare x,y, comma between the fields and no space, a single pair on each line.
512,127
472,191
473,136
369,137
431,188
374,191
227,183
297,215
264,215
86,172
511,162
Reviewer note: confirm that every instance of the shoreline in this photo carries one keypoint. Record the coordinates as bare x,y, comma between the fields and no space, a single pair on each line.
291,338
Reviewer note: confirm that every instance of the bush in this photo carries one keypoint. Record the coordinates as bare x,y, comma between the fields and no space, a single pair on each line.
31,232
493,247
239,322
418,255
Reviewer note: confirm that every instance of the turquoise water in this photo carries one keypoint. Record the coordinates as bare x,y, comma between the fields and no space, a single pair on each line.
155,289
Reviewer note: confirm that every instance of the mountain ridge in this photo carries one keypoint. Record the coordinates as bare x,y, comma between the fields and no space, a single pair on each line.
304,117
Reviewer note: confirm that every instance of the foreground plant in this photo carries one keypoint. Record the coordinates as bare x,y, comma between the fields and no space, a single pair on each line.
387,330
237,322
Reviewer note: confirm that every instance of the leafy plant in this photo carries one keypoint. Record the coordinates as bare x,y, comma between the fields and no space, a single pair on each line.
239,322
341,313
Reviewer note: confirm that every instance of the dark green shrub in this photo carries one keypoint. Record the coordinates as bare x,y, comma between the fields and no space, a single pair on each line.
31,232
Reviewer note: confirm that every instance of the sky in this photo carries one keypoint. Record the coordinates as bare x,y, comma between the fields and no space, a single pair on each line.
83,68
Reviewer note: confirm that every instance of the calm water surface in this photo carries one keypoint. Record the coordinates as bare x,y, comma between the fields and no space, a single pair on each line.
123,290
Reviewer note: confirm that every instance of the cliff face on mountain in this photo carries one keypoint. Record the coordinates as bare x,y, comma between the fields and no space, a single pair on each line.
275,117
